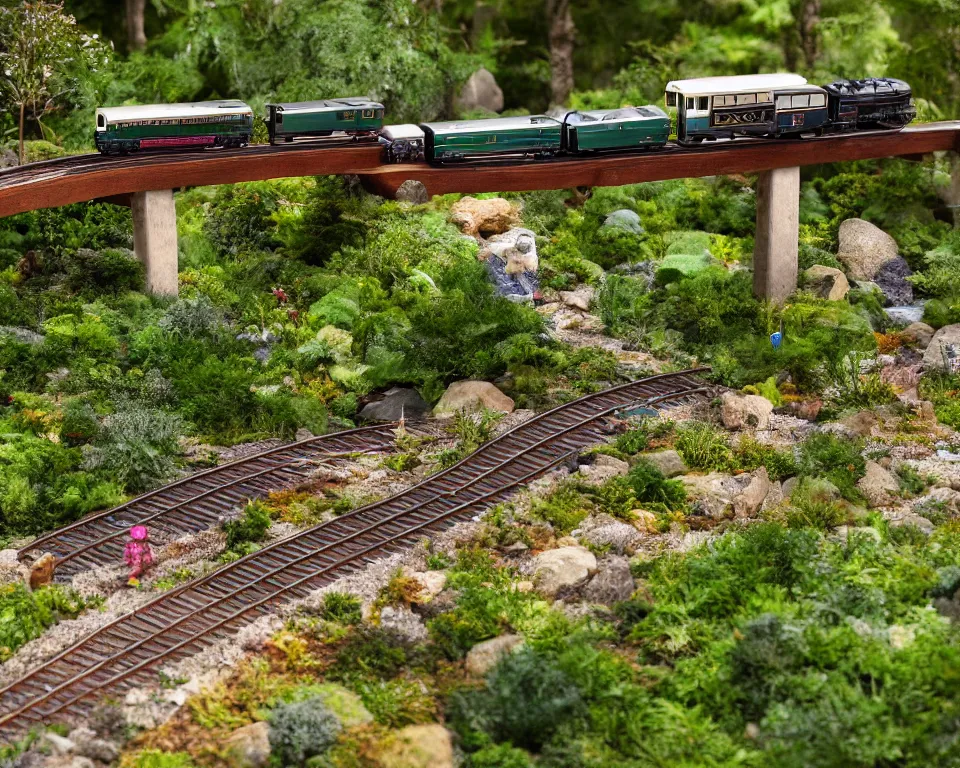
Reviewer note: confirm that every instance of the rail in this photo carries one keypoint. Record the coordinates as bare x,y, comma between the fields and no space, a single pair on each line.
131,650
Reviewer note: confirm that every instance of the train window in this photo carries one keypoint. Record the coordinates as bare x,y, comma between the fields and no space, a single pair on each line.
747,98
493,139
764,98
703,103
368,113
817,100
800,100
101,121
279,119
689,102
783,102
671,99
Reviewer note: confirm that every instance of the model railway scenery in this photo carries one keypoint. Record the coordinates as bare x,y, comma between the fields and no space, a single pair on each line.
432,384
711,108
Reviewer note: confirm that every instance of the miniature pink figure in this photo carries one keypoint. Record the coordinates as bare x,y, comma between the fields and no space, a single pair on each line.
137,554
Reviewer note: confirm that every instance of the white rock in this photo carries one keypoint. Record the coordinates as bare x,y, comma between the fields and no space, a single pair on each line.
472,396
61,744
864,248
827,282
602,469
750,500
612,584
937,355
670,463
484,656
581,298
249,746
564,567
878,485
404,623
739,411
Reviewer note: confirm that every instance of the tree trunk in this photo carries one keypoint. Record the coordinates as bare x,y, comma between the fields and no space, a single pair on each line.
562,35
23,108
136,36
809,36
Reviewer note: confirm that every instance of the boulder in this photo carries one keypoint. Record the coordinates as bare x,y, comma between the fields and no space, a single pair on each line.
432,583
943,352
864,248
12,570
492,216
480,92
670,463
911,518
41,572
484,656
827,282
472,396
891,278
624,220
61,745
556,569
613,582
88,744
581,298
249,746
602,469
404,624
918,334
22,335
750,500
398,403
603,530
8,158
412,191
739,411
861,423
417,746
713,494
878,485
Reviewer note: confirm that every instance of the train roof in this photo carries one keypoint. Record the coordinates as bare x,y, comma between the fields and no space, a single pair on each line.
809,88
736,83
169,111
615,115
323,105
492,124
403,131
870,86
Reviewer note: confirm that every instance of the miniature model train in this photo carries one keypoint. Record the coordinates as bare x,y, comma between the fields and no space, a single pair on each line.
709,108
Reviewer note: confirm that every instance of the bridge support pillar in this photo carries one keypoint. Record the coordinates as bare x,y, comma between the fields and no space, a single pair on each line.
778,230
155,239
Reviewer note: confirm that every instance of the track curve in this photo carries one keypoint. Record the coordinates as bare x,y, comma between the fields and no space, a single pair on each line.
87,177
199,501
184,621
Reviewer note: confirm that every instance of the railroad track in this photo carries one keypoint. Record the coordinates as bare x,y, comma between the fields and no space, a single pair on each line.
132,649
199,501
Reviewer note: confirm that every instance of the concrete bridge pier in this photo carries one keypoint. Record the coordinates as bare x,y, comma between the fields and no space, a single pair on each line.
155,239
778,230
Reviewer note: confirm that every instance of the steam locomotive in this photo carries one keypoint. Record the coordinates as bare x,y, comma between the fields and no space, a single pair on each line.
704,109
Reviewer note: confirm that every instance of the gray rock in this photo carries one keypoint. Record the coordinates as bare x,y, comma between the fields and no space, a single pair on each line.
9,158
943,352
23,335
249,746
878,485
412,191
739,411
911,518
864,248
484,656
88,744
749,501
613,582
892,280
602,469
625,220
398,403
61,744
581,298
918,334
827,282
669,462
480,92
404,624
603,530
556,569
713,494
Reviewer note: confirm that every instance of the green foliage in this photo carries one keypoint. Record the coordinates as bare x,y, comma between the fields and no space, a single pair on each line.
24,615
704,446
250,528
652,489
837,459
400,702
944,391
301,730
341,607
154,758
564,508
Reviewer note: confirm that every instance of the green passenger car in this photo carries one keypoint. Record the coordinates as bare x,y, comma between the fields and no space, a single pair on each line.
353,116
536,135
226,123
626,128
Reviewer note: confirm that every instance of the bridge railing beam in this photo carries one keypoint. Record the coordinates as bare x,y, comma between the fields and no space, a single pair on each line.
778,229
155,239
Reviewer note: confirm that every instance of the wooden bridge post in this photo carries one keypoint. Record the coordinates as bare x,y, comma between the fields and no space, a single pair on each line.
155,239
778,230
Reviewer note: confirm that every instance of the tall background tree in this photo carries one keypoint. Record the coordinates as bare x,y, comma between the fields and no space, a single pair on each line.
43,55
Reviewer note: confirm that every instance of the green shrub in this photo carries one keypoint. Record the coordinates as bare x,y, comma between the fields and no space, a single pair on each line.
704,446
301,730
652,489
837,459
396,703
250,528
155,758
342,607
24,615
500,756
750,454
564,508
527,697
109,271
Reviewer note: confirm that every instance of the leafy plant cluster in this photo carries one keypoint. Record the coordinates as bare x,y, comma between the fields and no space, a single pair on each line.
24,615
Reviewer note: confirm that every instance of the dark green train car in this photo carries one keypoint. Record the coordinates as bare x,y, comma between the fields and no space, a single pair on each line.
352,116
608,129
536,135
226,123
